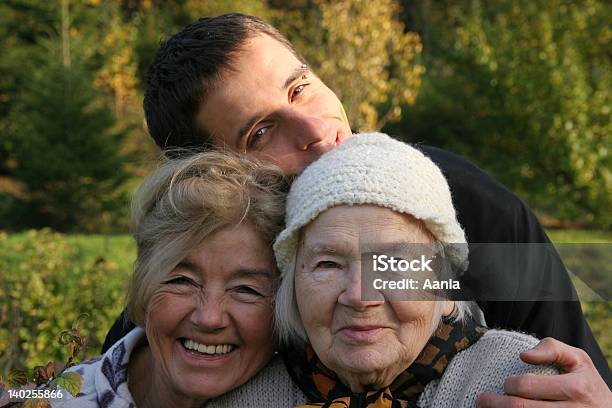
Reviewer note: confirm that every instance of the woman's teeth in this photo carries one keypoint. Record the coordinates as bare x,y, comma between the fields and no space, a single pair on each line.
207,349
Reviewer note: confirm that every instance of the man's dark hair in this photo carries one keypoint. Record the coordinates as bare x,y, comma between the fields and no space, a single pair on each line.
185,69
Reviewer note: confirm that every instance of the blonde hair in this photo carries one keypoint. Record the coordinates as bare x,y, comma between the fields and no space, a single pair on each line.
185,200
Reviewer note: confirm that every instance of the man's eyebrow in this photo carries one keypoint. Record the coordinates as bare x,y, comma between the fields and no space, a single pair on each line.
295,74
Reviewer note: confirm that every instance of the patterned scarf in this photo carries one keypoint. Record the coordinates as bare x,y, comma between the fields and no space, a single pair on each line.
323,387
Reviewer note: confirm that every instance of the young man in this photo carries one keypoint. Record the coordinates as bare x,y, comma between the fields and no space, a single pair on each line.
233,81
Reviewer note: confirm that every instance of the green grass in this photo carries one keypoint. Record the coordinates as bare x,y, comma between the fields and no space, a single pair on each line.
120,249
598,314
563,236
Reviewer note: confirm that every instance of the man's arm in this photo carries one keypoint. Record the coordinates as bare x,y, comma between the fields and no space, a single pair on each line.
490,213
580,384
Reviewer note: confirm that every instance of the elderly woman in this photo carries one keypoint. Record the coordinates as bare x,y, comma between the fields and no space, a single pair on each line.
201,293
363,349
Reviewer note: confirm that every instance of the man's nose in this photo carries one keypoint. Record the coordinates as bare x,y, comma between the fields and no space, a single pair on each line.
352,295
308,130
210,313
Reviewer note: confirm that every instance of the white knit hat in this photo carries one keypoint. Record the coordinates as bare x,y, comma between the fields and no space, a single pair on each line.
372,168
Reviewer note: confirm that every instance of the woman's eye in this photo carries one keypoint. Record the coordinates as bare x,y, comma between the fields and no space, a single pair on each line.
247,290
328,265
256,137
297,90
180,280
245,293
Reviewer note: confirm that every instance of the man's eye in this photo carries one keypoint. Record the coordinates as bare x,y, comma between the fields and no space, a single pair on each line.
297,90
256,137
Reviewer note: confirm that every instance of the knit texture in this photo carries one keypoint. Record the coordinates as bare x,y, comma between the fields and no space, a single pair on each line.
372,168
271,387
482,368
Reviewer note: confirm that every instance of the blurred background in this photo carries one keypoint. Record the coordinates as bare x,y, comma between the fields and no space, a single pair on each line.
520,87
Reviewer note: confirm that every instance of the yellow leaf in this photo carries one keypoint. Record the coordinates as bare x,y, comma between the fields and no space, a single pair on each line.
70,381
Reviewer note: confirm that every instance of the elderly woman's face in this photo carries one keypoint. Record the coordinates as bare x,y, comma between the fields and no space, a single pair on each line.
209,323
367,343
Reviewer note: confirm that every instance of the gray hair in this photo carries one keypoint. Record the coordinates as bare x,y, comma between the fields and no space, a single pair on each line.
185,200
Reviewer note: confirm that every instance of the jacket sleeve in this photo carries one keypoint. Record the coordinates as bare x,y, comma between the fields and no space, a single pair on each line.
120,328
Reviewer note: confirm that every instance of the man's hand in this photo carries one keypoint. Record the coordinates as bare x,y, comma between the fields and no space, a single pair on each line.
580,385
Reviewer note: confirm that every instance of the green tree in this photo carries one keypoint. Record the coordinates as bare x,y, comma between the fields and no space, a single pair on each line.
22,24
522,88
67,152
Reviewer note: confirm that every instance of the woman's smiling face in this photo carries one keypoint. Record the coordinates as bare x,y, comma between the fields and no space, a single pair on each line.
209,324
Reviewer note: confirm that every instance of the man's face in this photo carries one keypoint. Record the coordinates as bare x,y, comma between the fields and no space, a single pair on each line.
272,107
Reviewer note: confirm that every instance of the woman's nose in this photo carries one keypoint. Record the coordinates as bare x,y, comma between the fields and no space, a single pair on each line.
210,313
352,295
